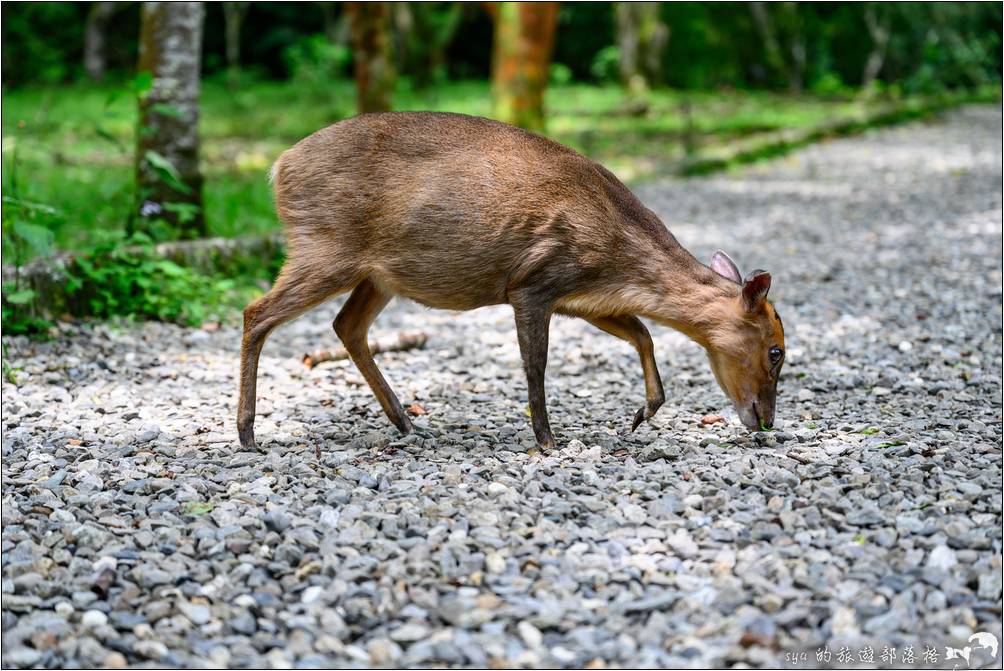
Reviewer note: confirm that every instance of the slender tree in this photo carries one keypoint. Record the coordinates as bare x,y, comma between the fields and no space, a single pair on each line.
233,19
791,67
424,32
95,33
369,24
521,56
331,24
877,22
641,40
169,184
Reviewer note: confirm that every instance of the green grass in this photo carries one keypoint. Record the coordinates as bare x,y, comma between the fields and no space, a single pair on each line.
71,147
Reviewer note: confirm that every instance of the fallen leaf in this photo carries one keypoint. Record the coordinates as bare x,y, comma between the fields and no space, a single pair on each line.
750,639
196,508
416,410
75,441
712,419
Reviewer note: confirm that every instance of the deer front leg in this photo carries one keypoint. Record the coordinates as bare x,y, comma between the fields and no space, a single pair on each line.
633,330
533,319
352,325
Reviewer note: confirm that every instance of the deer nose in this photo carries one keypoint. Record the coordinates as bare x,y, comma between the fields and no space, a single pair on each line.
764,415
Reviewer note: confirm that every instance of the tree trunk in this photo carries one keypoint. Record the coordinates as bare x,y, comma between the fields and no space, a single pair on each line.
233,18
432,28
328,16
879,31
641,40
794,20
521,55
402,20
775,56
369,23
168,181
94,38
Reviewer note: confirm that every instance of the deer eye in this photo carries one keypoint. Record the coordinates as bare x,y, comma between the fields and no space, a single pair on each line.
775,355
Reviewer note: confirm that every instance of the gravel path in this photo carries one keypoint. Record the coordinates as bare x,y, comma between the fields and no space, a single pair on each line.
135,530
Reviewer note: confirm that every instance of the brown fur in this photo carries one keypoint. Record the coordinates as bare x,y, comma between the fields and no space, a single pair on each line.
458,212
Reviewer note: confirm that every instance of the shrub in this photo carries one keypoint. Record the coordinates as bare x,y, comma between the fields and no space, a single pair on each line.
131,279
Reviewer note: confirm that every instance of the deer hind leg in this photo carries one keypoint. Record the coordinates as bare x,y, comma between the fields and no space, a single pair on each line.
352,325
295,291
533,319
633,331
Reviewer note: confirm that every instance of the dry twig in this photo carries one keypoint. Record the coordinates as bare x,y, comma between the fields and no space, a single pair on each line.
405,340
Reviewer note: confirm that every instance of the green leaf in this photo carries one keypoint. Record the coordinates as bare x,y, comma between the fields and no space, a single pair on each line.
185,212
871,430
166,170
112,97
161,163
196,508
142,83
171,269
165,109
107,135
41,208
39,239
22,297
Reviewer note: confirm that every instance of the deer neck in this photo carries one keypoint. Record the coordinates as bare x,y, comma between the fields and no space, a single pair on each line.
684,294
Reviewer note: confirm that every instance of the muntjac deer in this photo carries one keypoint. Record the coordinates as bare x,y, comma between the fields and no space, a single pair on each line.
459,212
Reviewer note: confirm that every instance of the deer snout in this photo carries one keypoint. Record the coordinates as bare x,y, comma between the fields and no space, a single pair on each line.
748,416
756,415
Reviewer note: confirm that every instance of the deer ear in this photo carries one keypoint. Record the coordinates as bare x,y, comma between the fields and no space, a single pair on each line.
723,264
755,289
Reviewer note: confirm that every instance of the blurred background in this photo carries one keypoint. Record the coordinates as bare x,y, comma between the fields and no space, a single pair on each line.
131,124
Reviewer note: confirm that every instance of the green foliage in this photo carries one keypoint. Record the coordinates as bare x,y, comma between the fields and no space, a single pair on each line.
86,180
9,371
559,75
830,84
41,41
166,171
606,64
127,277
19,321
27,233
26,224
315,60
422,53
584,29
933,45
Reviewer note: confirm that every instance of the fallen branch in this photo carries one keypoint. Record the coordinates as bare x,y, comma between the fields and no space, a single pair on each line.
405,340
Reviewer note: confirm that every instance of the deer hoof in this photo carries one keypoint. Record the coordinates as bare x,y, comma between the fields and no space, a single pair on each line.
640,417
246,435
405,426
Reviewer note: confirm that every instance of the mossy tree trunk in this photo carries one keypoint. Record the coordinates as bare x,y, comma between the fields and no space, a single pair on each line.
369,24
521,55
168,180
641,40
